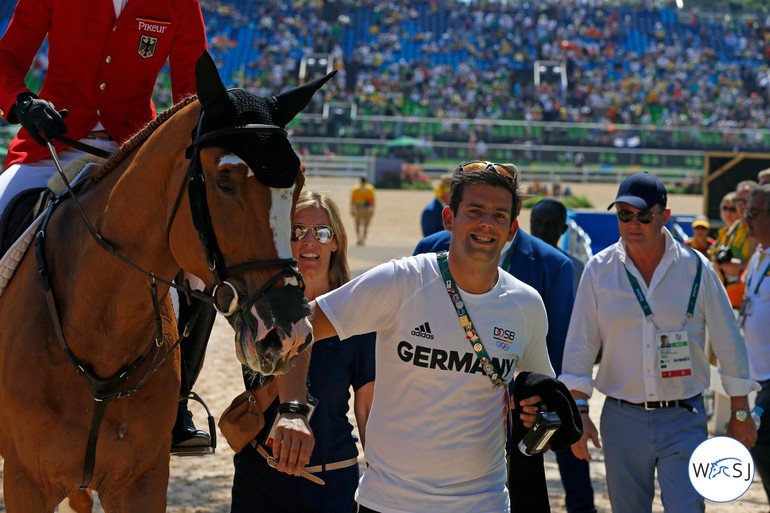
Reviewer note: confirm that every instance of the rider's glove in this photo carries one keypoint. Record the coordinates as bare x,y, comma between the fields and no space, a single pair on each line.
40,118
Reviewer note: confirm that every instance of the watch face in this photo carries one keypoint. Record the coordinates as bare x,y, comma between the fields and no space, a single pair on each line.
741,415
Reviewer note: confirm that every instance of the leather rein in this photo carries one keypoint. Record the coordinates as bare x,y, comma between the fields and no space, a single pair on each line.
105,390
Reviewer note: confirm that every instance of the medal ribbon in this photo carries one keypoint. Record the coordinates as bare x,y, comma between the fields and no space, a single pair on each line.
490,369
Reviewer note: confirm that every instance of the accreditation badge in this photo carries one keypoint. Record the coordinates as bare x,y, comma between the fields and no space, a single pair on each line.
674,354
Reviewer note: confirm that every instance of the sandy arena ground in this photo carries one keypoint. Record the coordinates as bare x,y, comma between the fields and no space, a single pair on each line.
202,485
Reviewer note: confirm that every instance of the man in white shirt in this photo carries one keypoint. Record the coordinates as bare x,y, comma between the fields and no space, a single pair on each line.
631,294
755,313
451,331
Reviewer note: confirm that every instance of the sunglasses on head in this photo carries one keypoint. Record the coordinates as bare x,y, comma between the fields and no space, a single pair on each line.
728,208
321,232
643,216
507,171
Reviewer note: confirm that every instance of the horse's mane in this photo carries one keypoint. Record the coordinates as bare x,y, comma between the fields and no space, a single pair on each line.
141,136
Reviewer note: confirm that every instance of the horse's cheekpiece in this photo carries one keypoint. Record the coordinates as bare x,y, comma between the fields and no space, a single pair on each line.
270,324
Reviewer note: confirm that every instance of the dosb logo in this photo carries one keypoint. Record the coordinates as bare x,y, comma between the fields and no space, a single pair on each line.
721,469
501,333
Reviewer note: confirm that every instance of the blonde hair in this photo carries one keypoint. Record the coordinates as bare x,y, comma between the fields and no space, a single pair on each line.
339,271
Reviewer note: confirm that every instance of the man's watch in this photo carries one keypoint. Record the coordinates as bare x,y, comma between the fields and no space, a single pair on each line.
742,415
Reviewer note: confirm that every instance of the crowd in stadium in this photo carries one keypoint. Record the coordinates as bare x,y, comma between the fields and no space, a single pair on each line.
450,59
637,65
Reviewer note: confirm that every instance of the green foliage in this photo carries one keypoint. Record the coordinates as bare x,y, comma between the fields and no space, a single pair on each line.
396,180
685,188
571,202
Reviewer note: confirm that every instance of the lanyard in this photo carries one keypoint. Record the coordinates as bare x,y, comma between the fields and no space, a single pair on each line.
646,307
761,277
490,368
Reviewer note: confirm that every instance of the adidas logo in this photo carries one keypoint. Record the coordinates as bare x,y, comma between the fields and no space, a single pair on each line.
423,331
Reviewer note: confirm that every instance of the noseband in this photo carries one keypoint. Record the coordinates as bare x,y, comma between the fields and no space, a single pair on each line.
196,191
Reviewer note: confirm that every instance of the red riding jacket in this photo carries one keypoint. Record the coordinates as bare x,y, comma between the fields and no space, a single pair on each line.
99,68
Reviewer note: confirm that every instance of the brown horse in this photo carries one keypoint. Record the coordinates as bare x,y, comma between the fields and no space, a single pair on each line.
81,336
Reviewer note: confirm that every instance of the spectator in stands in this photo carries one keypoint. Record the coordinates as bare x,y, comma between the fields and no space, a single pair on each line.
362,208
104,101
432,221
700,239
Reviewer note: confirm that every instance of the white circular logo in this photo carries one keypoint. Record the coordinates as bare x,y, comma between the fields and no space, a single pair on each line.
721,469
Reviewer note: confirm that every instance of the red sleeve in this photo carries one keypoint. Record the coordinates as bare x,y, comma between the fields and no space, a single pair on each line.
18,46
189,43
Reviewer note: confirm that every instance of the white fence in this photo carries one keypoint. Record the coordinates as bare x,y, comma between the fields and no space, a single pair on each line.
335,165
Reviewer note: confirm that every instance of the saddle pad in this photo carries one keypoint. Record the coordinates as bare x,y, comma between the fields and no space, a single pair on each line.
11,259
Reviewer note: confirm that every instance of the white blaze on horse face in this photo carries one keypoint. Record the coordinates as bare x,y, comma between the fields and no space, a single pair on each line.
232,160
301,331
280,223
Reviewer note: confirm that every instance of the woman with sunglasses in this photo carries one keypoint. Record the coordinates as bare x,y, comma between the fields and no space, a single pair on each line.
732,247
319,243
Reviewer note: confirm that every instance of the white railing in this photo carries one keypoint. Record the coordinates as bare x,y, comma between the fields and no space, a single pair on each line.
337,165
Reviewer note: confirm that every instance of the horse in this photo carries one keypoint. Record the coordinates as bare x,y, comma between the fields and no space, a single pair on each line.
88,349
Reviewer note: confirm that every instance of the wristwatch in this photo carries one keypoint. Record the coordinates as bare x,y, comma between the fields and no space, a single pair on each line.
742,415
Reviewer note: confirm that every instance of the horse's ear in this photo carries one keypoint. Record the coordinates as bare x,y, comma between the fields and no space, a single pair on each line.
291,103
212,92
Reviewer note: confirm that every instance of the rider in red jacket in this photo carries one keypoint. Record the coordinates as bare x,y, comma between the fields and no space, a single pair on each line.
101,67
103,61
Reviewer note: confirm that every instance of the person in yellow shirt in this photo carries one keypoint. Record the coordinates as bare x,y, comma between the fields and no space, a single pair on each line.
730,264
362,208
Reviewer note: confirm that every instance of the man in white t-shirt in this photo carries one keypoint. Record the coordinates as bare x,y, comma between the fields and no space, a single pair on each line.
448,329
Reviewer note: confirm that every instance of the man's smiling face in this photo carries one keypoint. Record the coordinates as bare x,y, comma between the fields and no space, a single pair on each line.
483,223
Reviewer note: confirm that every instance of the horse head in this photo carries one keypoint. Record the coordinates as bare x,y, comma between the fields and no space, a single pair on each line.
244,182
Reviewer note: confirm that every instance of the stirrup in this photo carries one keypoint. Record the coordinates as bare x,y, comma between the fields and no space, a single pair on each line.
198,450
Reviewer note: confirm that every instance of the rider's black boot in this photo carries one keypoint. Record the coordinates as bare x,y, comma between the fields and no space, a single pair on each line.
186,439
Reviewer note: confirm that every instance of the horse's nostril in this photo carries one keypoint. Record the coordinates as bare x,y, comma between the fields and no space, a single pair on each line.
270,346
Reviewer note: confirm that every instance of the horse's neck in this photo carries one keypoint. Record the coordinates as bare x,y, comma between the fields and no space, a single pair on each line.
106,297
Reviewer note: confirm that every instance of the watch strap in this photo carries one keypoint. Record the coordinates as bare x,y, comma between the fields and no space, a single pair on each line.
741,414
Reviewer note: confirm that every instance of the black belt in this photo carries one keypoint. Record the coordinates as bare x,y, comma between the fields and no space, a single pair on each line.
655,405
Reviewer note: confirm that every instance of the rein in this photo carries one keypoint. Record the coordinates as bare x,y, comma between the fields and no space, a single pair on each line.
86,148
105,390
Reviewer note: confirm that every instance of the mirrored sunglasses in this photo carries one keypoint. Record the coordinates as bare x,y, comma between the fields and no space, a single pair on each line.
643,216
321,232
506,170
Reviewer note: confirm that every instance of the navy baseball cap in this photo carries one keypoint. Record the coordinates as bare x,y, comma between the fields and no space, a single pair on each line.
642,191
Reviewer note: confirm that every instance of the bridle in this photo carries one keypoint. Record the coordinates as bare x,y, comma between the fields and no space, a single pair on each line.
196,191
105,390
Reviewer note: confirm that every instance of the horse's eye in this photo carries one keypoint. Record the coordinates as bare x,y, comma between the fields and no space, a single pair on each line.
225,183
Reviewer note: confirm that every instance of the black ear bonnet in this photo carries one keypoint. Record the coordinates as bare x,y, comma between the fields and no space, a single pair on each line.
250,126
